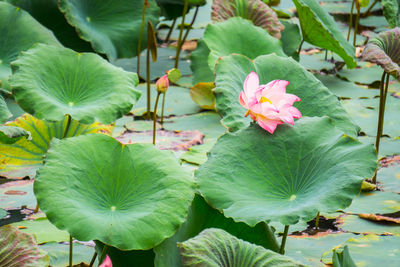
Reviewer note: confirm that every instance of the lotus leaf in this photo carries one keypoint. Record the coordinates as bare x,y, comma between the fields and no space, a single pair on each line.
113,27
25,32
291,38
202,94
50,82
18,249
17,194
172,9
342,258
354,224
11,134
126,196
4,112
215,247
199,64
255,10
316,99
59,254
24,157
384,50
311,167
320,29
391,11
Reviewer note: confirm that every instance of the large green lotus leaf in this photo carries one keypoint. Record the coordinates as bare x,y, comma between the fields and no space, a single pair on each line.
216,247
354,224
50,82
59,254
320,29
199,64
384,50
11,134
316,99
48,14
16,194
113,28
126,196
18,249
311,167
375,202
19,31
390,178
24,157
391,11
255,10
202,216
291,38
4,112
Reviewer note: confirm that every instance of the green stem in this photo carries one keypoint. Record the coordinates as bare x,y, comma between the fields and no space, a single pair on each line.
370,7
70,250
356,27
351,19
148,81
317,221
37,208
190,26
326,54
93,259
301,44
284,237
155,119
179,45
139,46
170,31
68,125
103,254
162,109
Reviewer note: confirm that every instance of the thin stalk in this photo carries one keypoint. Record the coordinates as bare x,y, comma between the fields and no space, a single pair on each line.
93,259
190,26
103,254
178,48
351,19
301,44
170,31
317,221
70,250
326,54
148,81
155,118
284,237
370,8
356,26
37,208
162,108
139,46
68,125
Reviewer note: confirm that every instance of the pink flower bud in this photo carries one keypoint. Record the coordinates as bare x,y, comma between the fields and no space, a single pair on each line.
162,84
106,263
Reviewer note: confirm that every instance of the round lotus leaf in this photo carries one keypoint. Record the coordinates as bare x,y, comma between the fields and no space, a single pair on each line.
50,82
384,50
316,99
253,176
19,31
255,10
112,27
126,196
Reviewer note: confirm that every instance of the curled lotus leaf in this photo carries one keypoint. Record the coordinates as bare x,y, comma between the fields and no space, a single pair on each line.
255,10
126,196
24,157
50,82
18,249
216,247
4,112
253,176
11,134
384,50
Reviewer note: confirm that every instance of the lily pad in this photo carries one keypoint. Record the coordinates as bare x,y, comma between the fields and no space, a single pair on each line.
316,62
59,254
127,206
354,224
19,249
319,28
316,99
113,27
4,112
19,32
364,75
255,10
296,184
375,202
17,194
24,157
84,86
216,247
390,179
388,146
11,134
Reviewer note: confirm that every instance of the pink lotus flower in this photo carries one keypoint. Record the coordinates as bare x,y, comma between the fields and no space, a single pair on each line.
268,104
106,263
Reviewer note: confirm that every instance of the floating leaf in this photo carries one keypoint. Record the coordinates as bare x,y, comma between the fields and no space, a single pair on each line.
295,184
18,249
320,29
59,254
50,82
375,202
19,31
391,11
384,50
215,247
127,206
17,194
11,134
354,224
113,27
4,112
255,10
24,157
203,95
316,99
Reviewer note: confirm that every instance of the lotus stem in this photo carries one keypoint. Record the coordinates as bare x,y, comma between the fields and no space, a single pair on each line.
139,46
70,250
351,19
190,26
179,45
103,254
148,81
326,54
170,31
67,127
284,237
356,26
370,7
162,109
301,44
36,208
155,118
383,89
317,221
93,259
